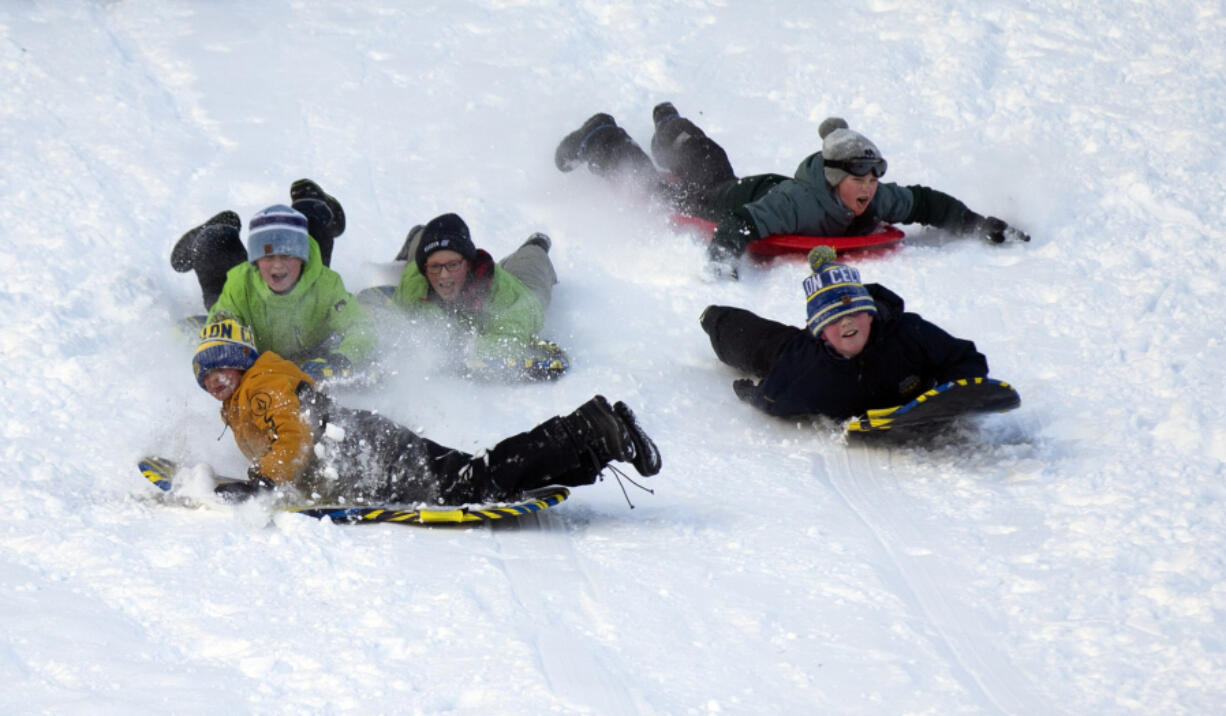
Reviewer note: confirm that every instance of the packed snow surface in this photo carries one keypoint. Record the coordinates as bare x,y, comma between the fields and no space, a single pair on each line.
1067,557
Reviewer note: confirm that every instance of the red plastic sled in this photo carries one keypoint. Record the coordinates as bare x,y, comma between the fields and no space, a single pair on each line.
794,243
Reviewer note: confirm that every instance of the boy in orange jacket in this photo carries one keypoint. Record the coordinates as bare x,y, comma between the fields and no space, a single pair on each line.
297,437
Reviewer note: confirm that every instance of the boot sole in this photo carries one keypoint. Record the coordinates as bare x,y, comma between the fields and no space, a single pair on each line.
182,255
646,455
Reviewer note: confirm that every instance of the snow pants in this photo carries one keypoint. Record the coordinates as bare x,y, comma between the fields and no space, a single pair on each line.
363,456
745,340
697,176
691,162
531,264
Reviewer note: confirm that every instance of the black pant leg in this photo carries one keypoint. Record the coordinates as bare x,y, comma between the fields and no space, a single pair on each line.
218,249
381,460
680,147
544,455
610,152
745,340
322,225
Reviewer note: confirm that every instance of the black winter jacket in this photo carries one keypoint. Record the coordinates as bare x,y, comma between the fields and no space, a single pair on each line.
905,356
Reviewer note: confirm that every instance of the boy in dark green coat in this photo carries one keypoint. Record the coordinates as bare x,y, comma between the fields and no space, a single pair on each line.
834,192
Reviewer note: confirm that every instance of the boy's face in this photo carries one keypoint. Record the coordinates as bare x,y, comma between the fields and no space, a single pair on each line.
856,192
848,335
446,271
279,272
222,383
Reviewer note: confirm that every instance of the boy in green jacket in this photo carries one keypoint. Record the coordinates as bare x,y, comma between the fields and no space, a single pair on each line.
297,307
214,247
494,310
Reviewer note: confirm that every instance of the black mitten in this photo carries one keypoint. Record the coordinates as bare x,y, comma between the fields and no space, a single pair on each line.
241,491
992,228
731,237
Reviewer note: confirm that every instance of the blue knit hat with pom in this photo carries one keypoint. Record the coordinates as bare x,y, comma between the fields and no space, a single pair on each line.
832,291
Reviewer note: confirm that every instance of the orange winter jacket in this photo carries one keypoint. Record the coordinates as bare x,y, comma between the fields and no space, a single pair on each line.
264,415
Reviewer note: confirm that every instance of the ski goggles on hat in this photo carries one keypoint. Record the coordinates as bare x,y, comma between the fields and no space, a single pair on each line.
859,166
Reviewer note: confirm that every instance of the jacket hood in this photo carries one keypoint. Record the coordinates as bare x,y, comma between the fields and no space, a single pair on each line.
890,305
812,170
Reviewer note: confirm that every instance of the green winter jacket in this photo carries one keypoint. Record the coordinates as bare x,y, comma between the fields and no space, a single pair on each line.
318,316
806,205
495,317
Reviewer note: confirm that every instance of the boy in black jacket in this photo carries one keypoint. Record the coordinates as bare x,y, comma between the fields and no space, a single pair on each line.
858,350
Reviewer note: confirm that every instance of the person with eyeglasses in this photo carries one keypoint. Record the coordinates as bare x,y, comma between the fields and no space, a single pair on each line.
493,311
834,192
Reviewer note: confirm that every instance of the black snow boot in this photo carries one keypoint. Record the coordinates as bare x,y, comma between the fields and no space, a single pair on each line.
541,240
570,151
646,454
183,255
663,112
608,433
408,252
304,189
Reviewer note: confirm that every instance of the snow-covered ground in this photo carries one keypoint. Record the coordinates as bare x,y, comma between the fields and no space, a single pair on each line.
1068,557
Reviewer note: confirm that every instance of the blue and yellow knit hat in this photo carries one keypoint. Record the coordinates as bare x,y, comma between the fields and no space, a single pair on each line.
833,291
224,343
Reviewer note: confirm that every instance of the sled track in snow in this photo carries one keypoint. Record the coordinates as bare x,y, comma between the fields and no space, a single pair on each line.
570,661
963,637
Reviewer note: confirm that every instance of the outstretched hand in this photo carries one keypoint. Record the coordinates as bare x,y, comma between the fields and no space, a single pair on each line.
715,271
996,231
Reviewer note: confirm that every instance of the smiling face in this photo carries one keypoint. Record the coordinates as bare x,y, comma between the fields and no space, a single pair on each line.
279,272
848,335
856,192
446,271
222,383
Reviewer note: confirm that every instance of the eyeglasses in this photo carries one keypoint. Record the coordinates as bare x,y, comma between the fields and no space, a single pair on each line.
450,267
859,166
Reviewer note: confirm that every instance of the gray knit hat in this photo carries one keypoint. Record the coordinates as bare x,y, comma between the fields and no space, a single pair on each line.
278,231
845,147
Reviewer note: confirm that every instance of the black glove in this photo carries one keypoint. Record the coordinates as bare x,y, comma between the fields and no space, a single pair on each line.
731,236
721,271
744,388
240,491
992,229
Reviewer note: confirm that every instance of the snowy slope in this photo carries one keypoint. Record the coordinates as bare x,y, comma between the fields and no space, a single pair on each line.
1064,558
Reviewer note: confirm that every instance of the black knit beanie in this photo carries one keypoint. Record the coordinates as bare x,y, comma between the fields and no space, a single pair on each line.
445,232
